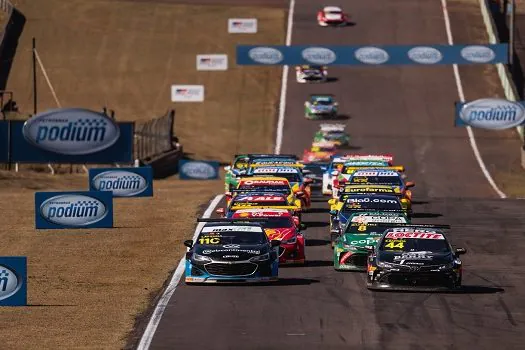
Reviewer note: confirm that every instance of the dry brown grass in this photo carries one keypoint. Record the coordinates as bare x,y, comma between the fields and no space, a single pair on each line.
87,286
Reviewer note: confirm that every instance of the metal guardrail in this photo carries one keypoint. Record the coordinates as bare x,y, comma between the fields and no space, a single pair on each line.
155,137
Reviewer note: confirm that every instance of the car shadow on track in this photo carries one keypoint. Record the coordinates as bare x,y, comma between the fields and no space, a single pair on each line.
426,215
316,224
279,283
465,289
340,117
318,210
318,263
316,242
332,79
419,202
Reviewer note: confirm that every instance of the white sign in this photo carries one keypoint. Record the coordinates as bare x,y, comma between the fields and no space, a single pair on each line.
212,62
187,93
242,25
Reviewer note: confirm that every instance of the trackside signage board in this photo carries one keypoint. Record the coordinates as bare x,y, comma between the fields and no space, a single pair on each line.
123,182
212,62
13,281
490,113
4,141
71,135
187,93
61,210
372,55
242,25
198,170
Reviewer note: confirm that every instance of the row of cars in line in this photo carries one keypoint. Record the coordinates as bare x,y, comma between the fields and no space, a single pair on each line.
370,211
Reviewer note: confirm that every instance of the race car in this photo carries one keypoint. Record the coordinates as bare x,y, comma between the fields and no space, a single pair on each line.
280,225
231,251
242,162
414,258
361,230
359,203
320,152
333,132
320,106
311,74
332,16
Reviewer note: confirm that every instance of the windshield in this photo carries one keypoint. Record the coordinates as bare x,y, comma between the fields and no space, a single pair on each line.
359,228
324,102
374,203
279,223
414,245
231,237
377,180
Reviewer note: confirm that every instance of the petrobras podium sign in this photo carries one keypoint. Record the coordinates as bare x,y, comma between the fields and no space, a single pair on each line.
122,182
62,210
198,170
71,135
13,281
422,55
490,113
242,25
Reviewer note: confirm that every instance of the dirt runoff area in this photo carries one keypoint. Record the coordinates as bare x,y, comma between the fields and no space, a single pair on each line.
86,287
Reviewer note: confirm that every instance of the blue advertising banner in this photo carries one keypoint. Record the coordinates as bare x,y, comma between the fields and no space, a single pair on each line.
123,182
372,55
198,170
490,113
85,209
71,135
13,281
4,141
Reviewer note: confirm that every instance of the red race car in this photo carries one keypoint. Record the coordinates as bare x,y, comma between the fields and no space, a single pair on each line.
282,226
320,152
332,16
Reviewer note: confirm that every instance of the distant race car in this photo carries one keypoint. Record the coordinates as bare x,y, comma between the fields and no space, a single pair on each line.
362,230
334,133
332,16
311,74
280,226
230,251
412,258
261,200
320,106
320,152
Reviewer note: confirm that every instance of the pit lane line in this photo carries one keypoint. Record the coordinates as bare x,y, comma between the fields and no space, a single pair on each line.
459,85
156,316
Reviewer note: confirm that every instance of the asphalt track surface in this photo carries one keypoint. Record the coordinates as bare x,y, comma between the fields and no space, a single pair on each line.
406,112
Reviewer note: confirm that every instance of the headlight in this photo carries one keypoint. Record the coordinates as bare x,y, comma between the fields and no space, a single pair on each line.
263,257
292,240
200,258
384,264
448,266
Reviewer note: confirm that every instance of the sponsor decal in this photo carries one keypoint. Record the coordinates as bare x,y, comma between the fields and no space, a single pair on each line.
230,256
123,182
264,182
379,219
414,234
371,200
212,62
187,93
275,170
266,55
242,25
259,198
478,54
91,209
71,131
236,228
249,251
492,113
259,214
231,246
375,173
198,170
354,189
13,281
367,241
319,55
371,55
424,255
425,55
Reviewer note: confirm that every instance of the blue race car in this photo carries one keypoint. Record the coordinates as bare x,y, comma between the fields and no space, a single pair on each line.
319,106
229,250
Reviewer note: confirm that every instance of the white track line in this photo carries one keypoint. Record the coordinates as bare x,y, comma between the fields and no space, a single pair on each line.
154,320
284,83
461,94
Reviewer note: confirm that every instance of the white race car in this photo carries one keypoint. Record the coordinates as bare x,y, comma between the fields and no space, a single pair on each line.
311,74
332,16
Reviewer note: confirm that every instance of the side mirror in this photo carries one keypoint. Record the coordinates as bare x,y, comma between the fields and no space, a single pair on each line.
333,212
302,227
220,211
410,184
275,243
460,251
188,243
227,168
334,173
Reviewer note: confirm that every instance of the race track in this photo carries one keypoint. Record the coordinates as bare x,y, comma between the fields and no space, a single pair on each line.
407,112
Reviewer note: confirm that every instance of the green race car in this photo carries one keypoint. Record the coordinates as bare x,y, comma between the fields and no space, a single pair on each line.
334,133
362,230
319,106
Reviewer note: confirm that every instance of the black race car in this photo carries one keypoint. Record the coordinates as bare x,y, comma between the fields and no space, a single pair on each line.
231,250
414,257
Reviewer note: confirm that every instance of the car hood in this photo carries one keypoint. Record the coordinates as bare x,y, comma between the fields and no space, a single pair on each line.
416,258
279,233
361,240
231,252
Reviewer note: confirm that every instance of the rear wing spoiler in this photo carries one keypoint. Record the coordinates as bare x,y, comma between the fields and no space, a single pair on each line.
383,210
232,221
332,127
257,191
398,168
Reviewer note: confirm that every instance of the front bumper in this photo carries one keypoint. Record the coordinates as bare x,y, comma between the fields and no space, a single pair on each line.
291,254
353,261
236,272
414,281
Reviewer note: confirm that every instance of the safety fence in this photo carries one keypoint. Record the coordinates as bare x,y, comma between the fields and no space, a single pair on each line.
155,137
